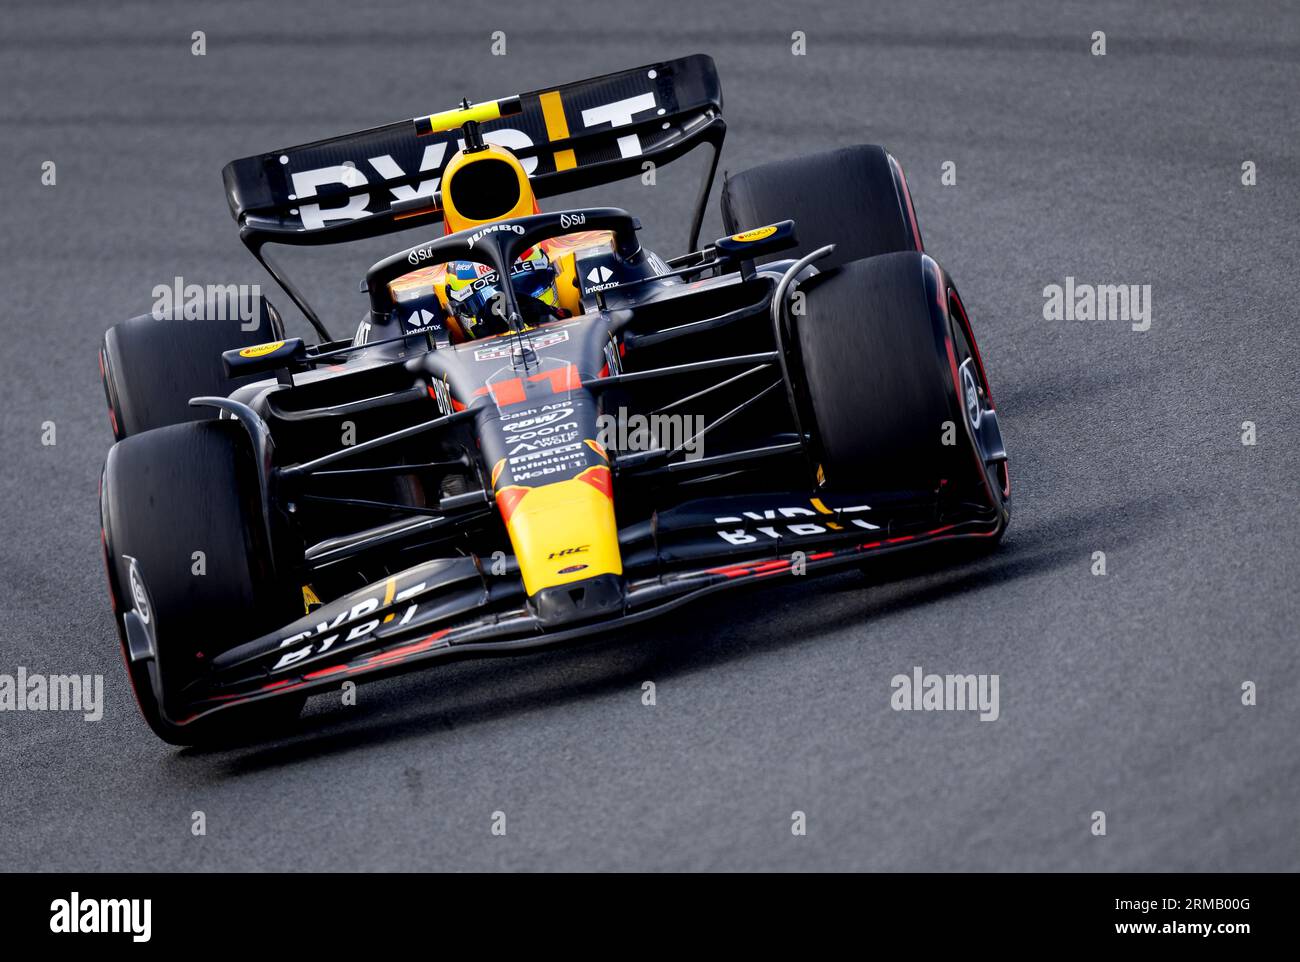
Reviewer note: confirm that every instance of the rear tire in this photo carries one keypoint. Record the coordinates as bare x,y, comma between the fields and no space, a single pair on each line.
855,197
151,367
167,494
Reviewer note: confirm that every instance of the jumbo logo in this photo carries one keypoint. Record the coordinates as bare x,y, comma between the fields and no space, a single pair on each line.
307,184
477,236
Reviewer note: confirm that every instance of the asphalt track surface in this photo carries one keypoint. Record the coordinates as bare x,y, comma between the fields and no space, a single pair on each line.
1119,693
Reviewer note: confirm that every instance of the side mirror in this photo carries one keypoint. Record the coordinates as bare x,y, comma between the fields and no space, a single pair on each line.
272,356
757,241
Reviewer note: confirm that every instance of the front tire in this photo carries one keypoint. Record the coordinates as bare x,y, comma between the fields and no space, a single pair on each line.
183,502
885,351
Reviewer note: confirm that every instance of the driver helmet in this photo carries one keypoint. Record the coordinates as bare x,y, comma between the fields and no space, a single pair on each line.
472,293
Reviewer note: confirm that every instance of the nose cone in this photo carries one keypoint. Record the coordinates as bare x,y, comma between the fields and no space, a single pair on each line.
563,532
579,601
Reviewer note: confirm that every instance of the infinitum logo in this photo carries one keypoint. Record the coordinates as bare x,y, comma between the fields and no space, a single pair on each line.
76,916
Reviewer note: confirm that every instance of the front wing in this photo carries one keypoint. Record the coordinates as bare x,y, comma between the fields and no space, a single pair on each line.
468,606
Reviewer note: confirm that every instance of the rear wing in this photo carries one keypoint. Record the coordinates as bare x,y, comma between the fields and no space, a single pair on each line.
569,137
385,179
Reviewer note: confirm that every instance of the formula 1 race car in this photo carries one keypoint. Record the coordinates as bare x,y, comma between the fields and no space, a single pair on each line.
540,429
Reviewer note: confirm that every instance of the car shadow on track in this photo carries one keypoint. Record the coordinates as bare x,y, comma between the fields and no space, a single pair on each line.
695,639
